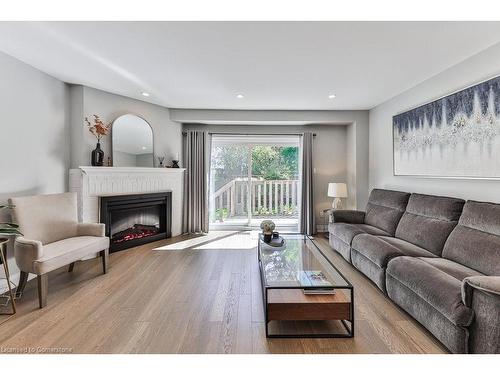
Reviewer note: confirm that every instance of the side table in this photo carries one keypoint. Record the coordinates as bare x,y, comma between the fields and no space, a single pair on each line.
3,261
326,220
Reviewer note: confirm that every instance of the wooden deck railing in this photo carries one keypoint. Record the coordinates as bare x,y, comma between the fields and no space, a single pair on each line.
266,196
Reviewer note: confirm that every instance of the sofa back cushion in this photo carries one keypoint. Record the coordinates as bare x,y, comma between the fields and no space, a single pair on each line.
384,209
46,218
429,220
475,242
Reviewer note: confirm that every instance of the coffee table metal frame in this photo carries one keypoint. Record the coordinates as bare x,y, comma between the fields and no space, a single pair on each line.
349,329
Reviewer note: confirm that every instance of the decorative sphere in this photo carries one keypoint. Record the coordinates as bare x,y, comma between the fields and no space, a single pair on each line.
267,226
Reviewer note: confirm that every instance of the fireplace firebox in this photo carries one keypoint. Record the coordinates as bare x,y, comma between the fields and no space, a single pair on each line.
136,219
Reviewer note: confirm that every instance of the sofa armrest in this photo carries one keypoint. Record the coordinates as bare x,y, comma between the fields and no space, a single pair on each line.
28,248
26,252
348,216
91,229
482,295
485,284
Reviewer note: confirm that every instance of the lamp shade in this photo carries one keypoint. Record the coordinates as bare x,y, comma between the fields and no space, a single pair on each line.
337,190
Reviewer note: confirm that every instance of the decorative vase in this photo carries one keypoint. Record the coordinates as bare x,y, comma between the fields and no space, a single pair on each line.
97,158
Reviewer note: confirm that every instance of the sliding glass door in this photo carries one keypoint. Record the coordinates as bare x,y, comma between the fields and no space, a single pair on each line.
253,178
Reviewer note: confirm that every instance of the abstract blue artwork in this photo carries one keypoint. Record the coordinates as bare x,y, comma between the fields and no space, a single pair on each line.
455,136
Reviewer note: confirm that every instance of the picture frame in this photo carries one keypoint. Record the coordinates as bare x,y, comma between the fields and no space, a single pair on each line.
454,136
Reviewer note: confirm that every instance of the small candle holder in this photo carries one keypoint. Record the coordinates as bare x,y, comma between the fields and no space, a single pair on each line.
175,164
160,161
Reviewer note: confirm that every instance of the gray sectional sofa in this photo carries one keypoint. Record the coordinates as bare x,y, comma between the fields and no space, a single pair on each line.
436,257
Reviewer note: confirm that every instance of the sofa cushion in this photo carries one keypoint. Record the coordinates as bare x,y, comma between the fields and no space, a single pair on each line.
384,209
475,242
381,249
340,247
403,281
407,248
61,253
482,216
346,232
454,269
371,254
429,220
431,286
371,270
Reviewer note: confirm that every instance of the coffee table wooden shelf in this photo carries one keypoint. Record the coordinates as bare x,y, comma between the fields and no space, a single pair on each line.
293,304
283,292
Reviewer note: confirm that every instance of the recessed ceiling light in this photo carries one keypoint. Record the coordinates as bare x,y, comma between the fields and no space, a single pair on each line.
145,94
331,96
239,96
144,147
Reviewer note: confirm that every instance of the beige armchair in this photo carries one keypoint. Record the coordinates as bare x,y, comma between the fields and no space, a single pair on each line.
53,238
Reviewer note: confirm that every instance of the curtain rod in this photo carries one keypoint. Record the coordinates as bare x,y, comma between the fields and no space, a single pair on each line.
232,133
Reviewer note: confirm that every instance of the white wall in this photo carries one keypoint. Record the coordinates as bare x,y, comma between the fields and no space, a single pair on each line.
351,166
87,101
34,123
329,156
475,69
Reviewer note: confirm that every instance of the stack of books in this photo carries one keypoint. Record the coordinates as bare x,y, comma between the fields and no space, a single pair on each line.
315,282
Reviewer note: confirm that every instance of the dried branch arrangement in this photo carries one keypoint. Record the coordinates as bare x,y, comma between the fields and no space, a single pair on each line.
99,129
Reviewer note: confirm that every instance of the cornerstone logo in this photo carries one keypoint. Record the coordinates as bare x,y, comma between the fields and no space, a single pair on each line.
35,350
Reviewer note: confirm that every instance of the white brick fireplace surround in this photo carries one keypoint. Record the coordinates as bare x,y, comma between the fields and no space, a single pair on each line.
92,182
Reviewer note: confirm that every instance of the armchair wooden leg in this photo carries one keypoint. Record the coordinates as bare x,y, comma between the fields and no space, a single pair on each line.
71,267
43,288
105,260
23,279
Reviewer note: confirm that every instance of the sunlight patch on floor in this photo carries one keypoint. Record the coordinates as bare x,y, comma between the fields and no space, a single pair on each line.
239,241
216,240
196,241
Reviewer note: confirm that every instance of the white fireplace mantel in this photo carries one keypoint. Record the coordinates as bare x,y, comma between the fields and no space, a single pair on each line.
107,170
92,182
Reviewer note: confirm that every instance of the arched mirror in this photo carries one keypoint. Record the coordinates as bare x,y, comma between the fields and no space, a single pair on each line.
132,142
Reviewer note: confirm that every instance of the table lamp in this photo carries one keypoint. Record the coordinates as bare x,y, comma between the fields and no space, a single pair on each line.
337,190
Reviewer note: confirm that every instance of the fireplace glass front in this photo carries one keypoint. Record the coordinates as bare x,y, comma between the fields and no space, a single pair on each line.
135,223
133,220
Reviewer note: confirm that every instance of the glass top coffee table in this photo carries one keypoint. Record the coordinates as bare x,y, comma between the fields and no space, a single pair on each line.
304,294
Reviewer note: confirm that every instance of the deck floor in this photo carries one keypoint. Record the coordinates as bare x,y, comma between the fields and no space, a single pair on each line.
284,224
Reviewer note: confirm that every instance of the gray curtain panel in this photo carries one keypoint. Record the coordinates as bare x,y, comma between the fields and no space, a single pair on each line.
307,202
195,215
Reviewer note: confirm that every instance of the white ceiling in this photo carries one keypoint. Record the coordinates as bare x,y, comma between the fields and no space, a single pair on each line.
275,65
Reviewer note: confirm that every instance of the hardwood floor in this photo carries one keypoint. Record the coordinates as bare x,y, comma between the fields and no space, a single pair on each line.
205,298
